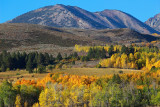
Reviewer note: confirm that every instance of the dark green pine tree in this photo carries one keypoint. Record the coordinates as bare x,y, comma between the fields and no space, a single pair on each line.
125,50
7,61
103,53
41,59
51,59
83,58
90,53
23,61
97,53
131,49
46,59
75,55
111,50
29,66
3,68
14,61
59,57
86,58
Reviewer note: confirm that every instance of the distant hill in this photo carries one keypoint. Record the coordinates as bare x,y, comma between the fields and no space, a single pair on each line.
154,22
17,35
75,17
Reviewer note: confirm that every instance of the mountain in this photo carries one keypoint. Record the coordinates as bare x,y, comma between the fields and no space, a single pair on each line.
37,37
75,17
154,22
60,16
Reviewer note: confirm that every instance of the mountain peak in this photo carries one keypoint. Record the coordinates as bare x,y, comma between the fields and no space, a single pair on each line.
74,17
154,22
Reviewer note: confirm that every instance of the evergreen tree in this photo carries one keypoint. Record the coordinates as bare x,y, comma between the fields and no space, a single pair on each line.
29,66
46,59
75,55
86,58
3,68
82,58
90,53
40,60
59,57
51,59
111,50
73,62
103,53
125,50
97,53
131,49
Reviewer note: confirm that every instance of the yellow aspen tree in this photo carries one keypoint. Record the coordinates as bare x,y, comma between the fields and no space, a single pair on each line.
157,64
124,60
36,105
133,65
113,58
45,98
131,57
118,62
25,104
153,60
148,64
18,101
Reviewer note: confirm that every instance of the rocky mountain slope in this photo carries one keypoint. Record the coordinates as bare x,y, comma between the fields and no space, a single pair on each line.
75,17
154,22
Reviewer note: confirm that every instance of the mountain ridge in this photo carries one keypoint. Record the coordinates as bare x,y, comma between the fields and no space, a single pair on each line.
75,17
154,22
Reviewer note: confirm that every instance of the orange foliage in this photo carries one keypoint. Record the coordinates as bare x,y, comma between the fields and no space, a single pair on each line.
60,78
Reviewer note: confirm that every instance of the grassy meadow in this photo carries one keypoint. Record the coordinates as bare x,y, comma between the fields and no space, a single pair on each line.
23,74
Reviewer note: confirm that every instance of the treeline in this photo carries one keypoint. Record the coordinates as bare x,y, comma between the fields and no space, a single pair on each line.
94,53
116,56
113,55
13,61
133,57
32,62
117,48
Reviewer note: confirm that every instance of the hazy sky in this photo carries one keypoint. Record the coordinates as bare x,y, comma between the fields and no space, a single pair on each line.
141,9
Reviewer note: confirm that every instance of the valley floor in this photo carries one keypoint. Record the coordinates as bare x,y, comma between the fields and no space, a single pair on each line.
13,76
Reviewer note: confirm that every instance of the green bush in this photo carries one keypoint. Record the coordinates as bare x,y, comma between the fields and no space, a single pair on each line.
121,72
98,66
41,69
73,62
18,74
50,67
